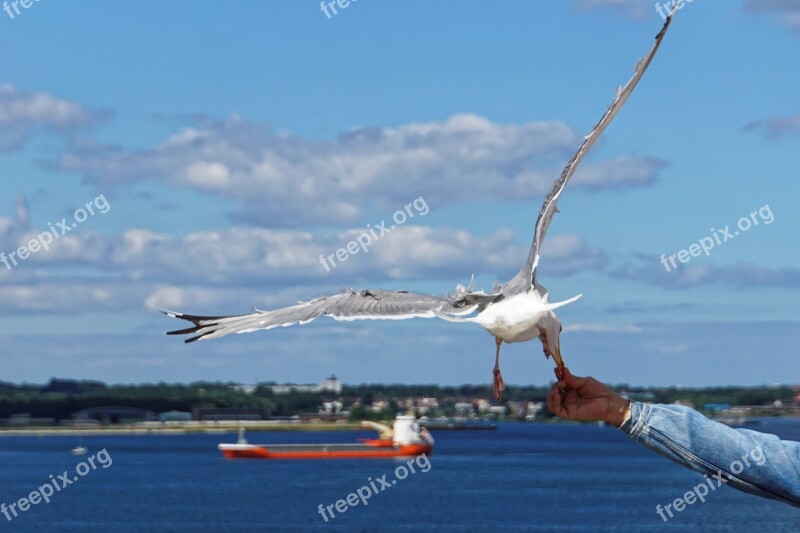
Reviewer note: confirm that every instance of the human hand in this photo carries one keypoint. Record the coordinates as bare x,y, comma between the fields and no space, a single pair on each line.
585,399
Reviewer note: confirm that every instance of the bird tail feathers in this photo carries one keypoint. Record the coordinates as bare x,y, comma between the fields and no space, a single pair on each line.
556,305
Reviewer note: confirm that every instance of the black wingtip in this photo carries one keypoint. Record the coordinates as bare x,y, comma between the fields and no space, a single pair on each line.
200,322
186,331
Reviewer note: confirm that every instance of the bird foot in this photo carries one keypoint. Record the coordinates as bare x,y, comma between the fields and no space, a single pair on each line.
545,343
499,384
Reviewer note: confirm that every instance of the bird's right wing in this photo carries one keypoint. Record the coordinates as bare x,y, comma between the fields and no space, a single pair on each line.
527,274
349,305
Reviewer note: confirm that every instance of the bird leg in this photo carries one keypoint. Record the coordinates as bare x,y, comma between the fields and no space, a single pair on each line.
499,385
559,361
548,352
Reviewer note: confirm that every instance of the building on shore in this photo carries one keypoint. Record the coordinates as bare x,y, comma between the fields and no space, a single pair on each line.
330,384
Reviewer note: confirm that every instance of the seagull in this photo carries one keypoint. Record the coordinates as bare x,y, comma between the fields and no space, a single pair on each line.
517,311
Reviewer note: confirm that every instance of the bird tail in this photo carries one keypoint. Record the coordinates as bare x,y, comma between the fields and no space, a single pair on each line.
476,320
556,305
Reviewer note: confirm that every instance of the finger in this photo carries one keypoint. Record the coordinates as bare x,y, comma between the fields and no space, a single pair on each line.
552,394
554,401
572,381
555,405
559,375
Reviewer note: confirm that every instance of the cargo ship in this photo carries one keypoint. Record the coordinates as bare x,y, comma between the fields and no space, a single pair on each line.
404,439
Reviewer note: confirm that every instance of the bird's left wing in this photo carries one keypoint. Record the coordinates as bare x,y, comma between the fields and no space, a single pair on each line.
527,273
349,305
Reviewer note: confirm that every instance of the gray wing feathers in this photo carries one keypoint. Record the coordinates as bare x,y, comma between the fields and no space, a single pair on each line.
527,274
349,305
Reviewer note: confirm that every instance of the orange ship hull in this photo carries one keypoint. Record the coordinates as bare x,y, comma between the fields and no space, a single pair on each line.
323,451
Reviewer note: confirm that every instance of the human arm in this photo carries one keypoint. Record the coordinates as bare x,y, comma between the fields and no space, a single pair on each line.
754,462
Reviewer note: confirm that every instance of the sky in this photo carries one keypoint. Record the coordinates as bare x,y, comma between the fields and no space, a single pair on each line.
201,157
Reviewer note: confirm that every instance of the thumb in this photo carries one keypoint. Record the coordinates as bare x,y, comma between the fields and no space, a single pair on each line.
572,381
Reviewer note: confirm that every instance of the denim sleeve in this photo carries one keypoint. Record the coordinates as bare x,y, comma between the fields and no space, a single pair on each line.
757,463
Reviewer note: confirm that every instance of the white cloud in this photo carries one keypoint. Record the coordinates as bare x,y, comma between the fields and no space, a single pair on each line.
786,11
66,296
214,268
265,256
563,255
23,113
649,270
285,181
208,176
624,171
12,228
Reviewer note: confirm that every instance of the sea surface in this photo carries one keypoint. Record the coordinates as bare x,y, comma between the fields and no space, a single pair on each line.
522,477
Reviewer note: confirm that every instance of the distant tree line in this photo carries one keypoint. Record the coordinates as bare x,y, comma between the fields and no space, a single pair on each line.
59,398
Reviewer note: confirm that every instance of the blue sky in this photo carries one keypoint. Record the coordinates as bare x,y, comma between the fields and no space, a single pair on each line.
236,142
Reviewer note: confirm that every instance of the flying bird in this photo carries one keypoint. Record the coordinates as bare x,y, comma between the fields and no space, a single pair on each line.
517,311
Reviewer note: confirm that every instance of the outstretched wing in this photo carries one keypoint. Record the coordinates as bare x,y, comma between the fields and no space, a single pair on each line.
527,275
349,305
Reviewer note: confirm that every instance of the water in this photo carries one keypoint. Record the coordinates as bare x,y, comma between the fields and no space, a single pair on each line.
522,477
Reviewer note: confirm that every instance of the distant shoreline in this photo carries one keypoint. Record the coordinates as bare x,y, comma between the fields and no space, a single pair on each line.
216,428
175,429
